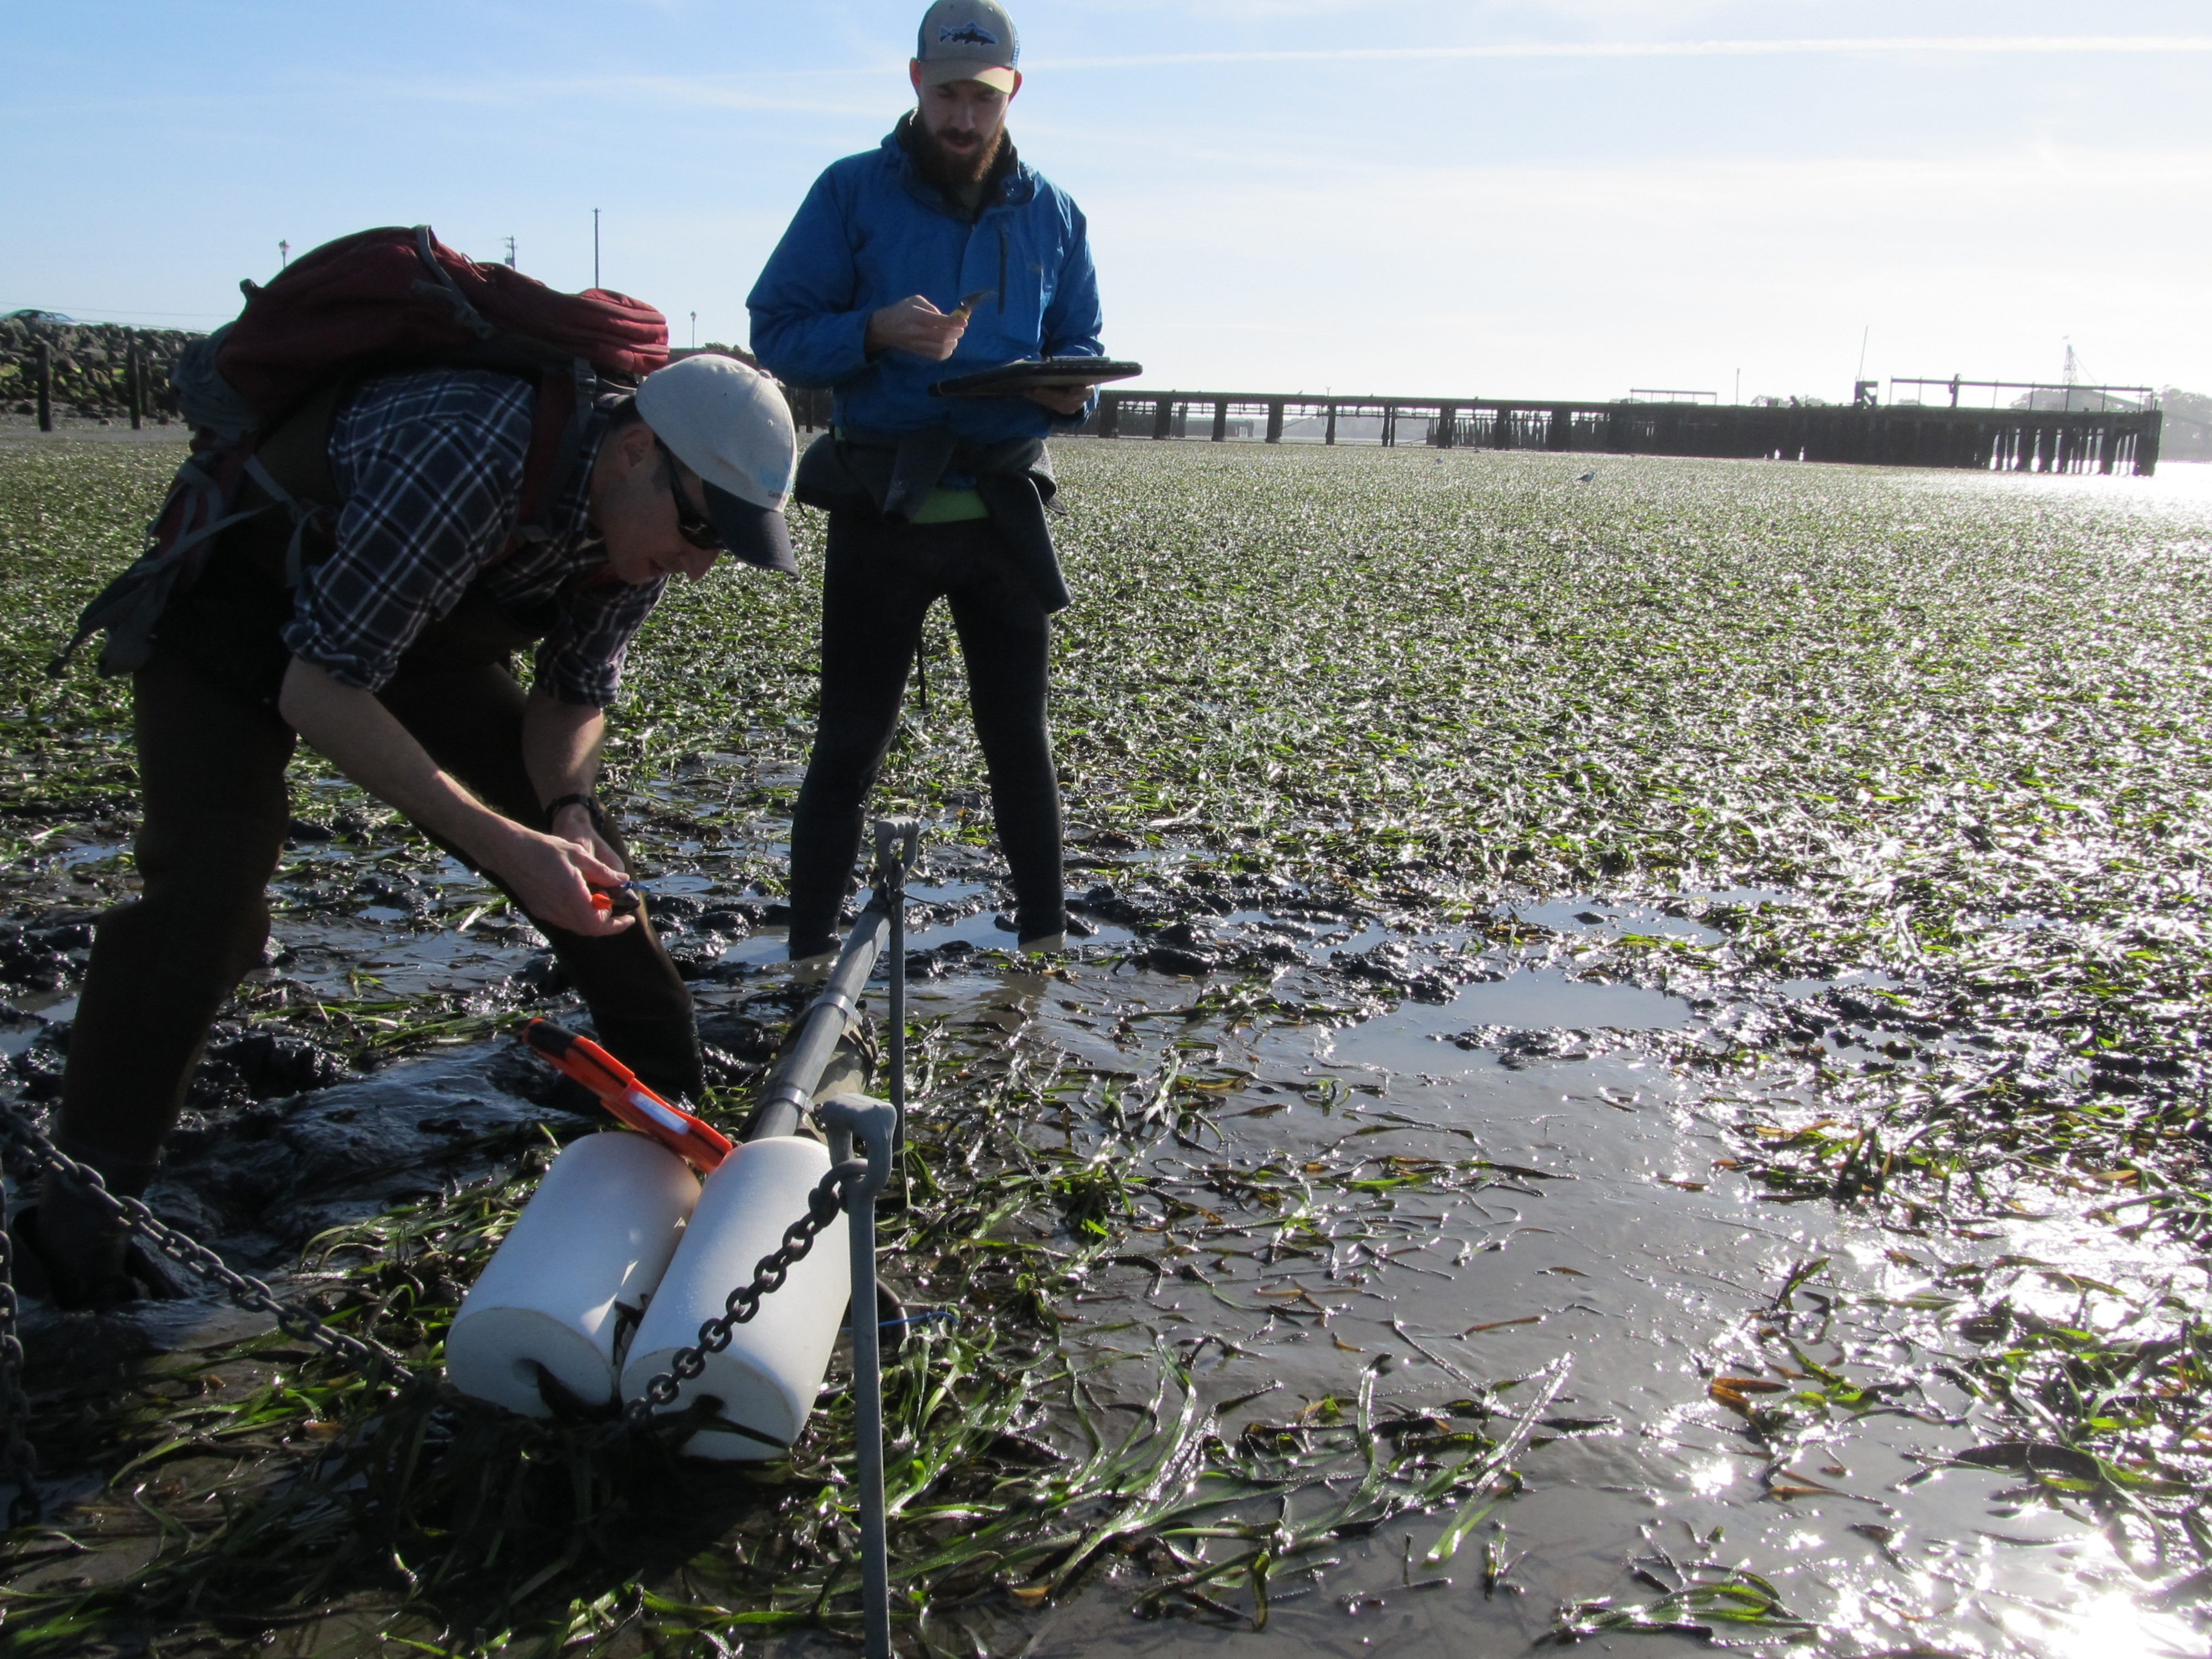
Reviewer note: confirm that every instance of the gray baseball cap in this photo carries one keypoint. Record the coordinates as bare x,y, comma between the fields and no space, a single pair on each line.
967,40
730,425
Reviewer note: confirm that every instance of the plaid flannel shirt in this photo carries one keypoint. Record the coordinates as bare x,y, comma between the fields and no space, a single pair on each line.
430,466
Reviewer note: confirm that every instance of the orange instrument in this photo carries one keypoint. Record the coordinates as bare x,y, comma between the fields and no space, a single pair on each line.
623,901
697,1142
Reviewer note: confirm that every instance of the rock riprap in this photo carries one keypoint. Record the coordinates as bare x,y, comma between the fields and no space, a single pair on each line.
91,363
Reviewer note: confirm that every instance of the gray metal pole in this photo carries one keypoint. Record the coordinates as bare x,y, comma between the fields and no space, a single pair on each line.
878,1127
790,1088
44,359
851,1118
897,1015
868,1430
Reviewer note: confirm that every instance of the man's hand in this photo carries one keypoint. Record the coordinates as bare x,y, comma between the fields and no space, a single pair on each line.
553,876
561,749
573,824
1060,399
914,325
547,873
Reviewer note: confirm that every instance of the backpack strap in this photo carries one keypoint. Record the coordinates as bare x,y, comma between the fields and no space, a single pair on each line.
202,504
291,467
558,427
440,285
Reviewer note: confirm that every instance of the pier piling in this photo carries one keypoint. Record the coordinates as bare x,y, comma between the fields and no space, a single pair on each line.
2110,439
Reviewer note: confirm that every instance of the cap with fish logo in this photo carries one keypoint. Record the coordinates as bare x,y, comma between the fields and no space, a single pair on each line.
967,40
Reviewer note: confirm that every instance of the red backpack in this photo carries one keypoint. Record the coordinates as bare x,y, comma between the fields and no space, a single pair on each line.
371,303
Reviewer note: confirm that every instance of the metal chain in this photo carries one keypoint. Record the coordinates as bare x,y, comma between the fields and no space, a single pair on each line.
199,1260
824,1206
22,1458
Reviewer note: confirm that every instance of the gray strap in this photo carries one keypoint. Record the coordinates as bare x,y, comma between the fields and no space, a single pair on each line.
262,476
442,285
304,518
184,543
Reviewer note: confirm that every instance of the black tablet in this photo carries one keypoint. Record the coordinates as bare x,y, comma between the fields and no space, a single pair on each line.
1036,374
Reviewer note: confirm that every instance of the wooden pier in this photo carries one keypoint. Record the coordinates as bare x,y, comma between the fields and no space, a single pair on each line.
1902,435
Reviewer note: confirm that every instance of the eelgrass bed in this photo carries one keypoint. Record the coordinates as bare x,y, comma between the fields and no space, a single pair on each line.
1947,729
253,1489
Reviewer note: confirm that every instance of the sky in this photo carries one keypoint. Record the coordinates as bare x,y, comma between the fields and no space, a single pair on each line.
1568,198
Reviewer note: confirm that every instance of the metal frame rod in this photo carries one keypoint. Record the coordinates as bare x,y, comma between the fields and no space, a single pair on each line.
798,1073
898,1033
880,1129
851,1119
898,844
868,1424
798,1069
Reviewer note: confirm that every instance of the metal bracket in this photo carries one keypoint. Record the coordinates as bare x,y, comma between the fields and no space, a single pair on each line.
899,842
872,1124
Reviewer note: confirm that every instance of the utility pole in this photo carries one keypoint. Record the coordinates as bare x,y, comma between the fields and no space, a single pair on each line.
595,247
511,265
1739,388
284,254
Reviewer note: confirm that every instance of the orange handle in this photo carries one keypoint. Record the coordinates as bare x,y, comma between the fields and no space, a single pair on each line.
622,902
693,1139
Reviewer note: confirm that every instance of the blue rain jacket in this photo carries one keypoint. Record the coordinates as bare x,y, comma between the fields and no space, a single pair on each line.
871,231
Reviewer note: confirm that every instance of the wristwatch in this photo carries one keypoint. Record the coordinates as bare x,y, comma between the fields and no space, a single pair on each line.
588,801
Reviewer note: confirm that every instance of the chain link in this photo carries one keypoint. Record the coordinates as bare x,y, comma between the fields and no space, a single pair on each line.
824,1206
22,1460
198,1260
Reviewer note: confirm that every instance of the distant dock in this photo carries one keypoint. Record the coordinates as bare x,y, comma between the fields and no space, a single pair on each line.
2106,441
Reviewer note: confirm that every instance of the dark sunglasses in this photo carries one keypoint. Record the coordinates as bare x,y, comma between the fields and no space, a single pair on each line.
693,525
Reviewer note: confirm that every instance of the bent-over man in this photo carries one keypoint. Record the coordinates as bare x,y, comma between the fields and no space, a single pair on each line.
392,657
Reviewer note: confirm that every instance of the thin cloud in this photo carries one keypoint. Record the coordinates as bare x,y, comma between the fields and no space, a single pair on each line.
1991,45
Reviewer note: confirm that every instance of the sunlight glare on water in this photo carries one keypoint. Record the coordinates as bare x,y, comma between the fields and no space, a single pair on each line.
2110,1627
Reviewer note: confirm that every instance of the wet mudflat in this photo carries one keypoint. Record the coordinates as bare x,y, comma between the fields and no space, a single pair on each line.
1651,1056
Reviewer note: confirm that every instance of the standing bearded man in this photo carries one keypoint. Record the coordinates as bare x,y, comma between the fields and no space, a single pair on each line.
940,244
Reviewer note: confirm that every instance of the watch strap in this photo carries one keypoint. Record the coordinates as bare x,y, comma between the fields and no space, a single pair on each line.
589,802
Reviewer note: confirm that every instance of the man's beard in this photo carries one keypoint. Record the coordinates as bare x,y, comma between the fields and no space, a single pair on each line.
954,170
